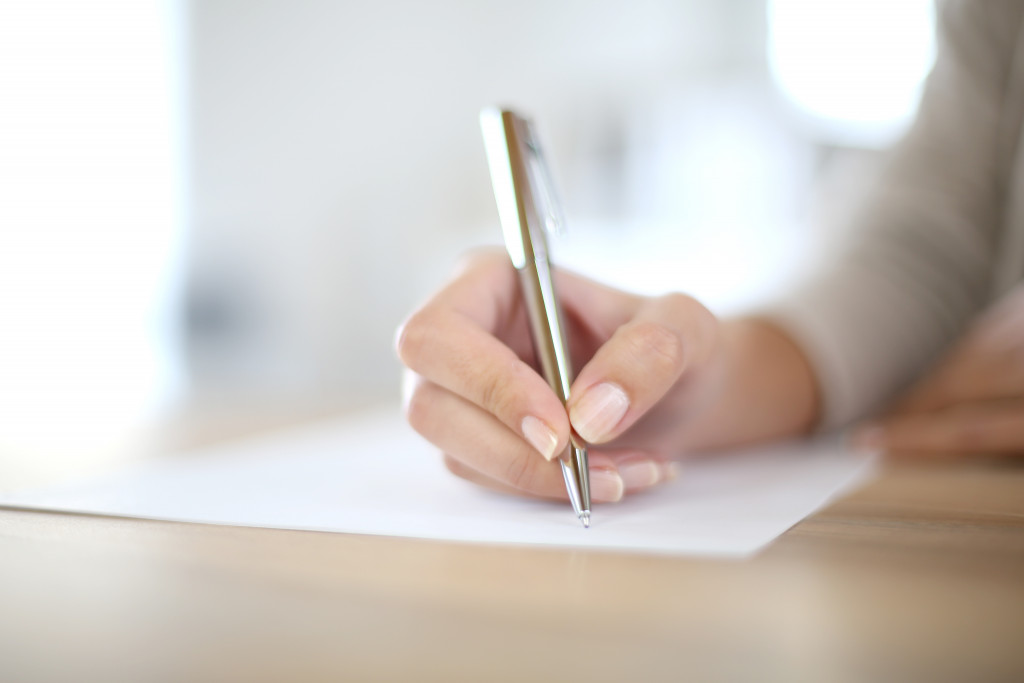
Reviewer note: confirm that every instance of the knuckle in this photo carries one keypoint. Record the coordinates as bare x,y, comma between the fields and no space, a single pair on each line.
454,466
700,323
418,409
680,303
519,472
410,338
449,464
653,344
496,394
482,258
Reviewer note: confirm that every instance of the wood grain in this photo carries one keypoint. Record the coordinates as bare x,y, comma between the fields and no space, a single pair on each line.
917,576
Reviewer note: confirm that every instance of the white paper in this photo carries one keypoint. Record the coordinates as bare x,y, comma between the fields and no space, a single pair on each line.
373,475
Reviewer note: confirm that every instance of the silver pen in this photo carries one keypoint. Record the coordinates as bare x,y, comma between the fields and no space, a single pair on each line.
527,209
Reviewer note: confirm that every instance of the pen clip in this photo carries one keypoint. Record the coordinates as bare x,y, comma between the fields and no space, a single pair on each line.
543,188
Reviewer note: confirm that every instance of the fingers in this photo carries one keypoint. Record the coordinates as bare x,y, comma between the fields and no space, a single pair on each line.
637,471
987,364
451,351
484,288
978,429
485,451
475,395
637,366
967,376
446,343
605,309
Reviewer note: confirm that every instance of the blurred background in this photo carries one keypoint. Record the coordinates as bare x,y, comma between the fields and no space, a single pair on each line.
213,214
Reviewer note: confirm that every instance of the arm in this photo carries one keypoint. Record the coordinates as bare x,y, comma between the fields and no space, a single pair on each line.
663,375
920,265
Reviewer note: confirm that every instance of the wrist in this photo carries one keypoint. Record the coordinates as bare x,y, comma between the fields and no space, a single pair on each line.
766,389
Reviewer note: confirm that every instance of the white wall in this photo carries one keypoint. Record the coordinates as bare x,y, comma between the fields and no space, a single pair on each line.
90,200
333,172
337,169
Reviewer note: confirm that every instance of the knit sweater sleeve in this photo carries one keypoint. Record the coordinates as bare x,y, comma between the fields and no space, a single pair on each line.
920,263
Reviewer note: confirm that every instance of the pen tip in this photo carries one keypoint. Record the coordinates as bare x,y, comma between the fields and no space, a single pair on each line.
585,518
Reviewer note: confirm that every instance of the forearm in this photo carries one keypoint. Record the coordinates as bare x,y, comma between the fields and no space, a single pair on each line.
765,390
921,250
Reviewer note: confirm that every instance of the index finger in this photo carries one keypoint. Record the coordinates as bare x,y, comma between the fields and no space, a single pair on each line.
462,341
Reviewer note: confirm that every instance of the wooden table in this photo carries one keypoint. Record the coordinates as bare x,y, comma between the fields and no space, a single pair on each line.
919,576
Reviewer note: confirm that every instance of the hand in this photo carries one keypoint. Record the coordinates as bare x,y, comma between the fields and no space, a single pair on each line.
645,368
972,402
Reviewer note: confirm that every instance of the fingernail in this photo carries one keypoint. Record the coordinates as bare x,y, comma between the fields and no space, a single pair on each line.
540,436
639,474
868,437
599,411
606,486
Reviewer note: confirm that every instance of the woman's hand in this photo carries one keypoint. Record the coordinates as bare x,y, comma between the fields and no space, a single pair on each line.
972,403
646,366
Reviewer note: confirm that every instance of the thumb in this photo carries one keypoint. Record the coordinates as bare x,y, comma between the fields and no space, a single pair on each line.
638,365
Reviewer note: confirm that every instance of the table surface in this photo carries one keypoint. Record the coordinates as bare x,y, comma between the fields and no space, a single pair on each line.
918,575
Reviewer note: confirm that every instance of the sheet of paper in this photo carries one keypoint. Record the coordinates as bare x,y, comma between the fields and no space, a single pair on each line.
373,475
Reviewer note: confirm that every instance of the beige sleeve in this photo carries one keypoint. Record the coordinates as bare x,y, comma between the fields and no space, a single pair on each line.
919,265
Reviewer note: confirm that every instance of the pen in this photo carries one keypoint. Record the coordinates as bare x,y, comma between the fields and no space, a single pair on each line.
527,209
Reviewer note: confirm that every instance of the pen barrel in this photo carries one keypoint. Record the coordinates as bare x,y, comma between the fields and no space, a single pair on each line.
546,325
552,352
512,152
